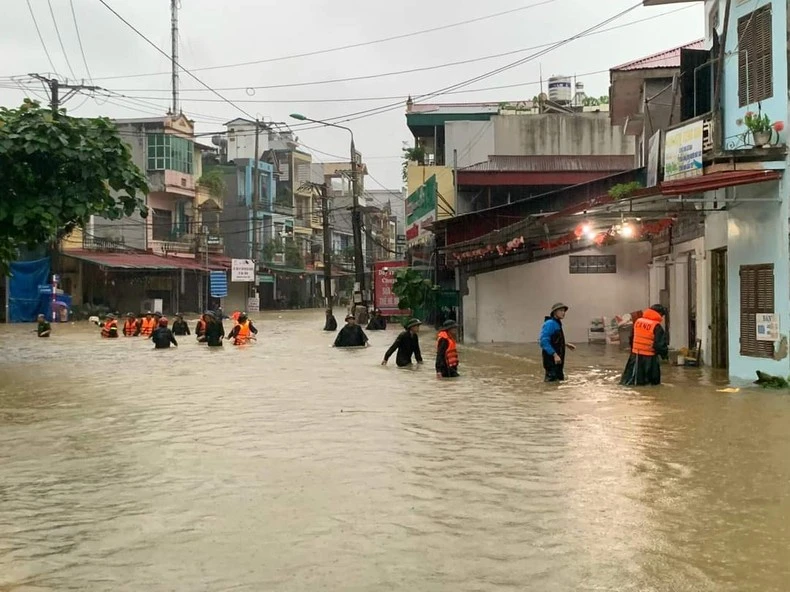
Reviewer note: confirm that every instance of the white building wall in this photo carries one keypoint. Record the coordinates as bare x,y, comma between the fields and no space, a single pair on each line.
510,304
241,140
679,293
474,141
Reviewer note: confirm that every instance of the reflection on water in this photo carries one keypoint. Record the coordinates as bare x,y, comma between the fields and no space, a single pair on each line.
289,465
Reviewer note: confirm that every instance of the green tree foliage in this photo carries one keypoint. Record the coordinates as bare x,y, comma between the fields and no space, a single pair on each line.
413,291
56,171
416,154
213,181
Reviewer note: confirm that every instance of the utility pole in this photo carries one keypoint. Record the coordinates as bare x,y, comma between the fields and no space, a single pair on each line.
174,52
327,247
356,223
256,180
54,86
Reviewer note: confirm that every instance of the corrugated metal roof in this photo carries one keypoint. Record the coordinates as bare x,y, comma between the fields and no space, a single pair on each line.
126,260
665,59
544,164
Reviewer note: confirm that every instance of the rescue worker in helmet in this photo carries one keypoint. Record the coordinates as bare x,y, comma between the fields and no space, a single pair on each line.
553,344
180,326
131,327
109,329
447,350
200,327
648,344
163,336
243,331
351,335
147,325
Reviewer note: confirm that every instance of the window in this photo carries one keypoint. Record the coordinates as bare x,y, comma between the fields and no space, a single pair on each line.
166,151
162,224
592,264
757,297
755,58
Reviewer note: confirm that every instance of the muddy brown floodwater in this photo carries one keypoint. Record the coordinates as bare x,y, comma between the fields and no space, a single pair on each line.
288,465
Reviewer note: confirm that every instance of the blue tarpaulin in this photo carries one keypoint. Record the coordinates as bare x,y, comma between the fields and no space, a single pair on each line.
25,302
219,284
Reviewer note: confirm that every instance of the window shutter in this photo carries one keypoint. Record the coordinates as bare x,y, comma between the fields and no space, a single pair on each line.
755,56
757,296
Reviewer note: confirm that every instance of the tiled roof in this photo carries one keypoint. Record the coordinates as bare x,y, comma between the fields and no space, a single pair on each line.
131,260
497,164
666,59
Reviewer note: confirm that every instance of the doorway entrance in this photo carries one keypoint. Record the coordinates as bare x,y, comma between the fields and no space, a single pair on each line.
719,335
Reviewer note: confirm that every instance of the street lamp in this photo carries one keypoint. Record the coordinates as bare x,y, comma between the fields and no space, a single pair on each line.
356,222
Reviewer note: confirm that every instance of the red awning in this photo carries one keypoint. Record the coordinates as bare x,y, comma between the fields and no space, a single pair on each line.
717,181
135,261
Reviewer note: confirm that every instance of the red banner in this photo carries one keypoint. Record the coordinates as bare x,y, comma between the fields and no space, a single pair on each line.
386,300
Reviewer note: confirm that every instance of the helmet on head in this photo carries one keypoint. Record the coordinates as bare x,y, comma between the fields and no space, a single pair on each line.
660,309
163,322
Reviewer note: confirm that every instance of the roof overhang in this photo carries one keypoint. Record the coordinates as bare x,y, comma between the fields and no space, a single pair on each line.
718,180
133,261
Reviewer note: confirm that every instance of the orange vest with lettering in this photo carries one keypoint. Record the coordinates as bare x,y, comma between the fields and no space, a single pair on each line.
243,336
147,326
644,336
108,325
452,350
130,327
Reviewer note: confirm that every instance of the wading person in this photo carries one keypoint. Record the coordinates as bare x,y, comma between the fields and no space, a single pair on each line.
552,344
331,321
163,336
147,325
407,344
215,331
648,344
243,331
351,335
131,327
447,350
200,327
43,329
180,326
109,329
377,322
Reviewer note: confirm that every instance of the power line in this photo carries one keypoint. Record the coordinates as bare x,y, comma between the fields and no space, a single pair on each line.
60,39
41,38
79,39
344,47
157,48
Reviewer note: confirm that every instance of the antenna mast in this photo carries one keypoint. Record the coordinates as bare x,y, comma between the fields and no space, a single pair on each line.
174,51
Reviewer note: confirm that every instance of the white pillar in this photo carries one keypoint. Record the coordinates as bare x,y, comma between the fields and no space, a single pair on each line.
679,305
656,280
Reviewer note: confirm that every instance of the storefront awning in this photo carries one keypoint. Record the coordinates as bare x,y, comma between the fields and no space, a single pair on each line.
139,261
718,180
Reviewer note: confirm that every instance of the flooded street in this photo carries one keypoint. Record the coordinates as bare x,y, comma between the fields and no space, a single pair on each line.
289,465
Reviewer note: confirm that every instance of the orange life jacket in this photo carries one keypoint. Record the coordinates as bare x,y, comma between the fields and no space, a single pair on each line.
243,336
644,337
130,327
147,326
200,328
451,356
106,330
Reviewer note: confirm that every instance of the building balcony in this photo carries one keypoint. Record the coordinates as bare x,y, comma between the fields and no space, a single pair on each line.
95,243
180,245
169,181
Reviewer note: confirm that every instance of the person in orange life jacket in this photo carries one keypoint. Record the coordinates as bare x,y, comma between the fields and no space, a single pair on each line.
163,336
180,326
552,344
200,327
109,329
447,350
131,327
147,325
648,344
243,331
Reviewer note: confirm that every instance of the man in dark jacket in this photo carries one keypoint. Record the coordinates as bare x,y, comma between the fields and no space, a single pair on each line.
331,321
351,335
552,344
163,336
407,344
215,330
377,322
648,344
180,326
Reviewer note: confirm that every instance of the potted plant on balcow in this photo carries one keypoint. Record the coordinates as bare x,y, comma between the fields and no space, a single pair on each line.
761,127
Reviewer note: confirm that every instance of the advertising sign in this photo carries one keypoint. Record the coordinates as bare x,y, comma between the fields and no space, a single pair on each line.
253,305
420,210
683,152
767,327
242,270
386,300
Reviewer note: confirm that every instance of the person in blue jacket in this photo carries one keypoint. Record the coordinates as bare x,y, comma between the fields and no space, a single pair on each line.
552,344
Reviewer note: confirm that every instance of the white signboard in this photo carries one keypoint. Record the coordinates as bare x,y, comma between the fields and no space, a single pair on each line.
253,304
767,327
242,270
683,152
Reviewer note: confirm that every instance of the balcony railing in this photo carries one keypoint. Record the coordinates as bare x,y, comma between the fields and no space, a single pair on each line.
97,243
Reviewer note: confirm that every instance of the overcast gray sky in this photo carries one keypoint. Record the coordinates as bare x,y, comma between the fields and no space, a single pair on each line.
217,33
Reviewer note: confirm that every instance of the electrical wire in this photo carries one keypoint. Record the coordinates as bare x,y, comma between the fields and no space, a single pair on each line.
79,39
41,38
157,48
344,47
60,40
